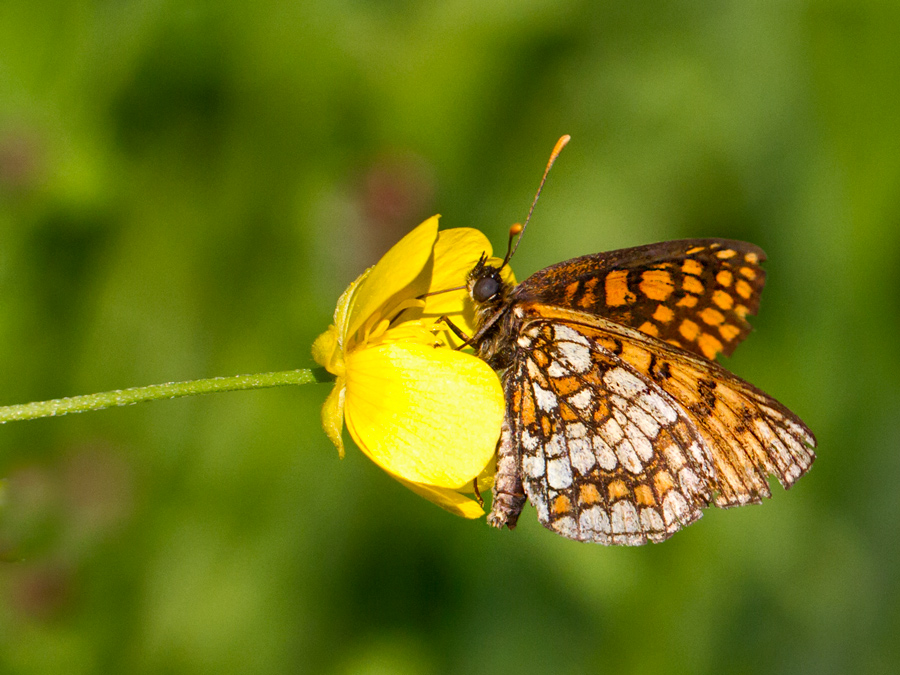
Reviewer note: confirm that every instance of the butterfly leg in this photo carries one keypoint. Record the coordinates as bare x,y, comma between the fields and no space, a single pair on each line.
477,491
508,494
456,330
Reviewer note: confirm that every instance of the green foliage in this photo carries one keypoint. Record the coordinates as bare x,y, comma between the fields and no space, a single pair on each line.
185,190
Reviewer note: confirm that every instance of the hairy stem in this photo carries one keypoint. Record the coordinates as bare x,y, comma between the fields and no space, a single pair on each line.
155,392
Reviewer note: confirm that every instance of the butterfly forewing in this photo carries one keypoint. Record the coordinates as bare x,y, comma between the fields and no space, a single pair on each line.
693,293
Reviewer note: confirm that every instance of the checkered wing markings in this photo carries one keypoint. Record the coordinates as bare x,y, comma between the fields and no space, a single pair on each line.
695,293
750,435
753,436
606,456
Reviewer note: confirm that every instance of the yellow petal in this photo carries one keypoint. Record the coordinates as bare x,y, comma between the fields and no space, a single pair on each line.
459,308
449,500
486,477
426,415
407,331
333,416
406,267
456,253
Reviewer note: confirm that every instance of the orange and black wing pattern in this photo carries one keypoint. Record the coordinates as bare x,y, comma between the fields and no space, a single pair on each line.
694,293
620,438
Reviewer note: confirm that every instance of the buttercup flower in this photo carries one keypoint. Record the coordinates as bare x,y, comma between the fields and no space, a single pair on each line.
427,414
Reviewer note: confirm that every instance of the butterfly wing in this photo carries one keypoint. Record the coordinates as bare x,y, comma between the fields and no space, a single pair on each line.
751,435
622,439
599,460
693,293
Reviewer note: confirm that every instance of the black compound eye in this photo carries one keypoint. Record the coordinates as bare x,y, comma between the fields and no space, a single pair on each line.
485,289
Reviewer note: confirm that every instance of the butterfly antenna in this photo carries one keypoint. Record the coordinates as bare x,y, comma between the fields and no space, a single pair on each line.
444,290
518,230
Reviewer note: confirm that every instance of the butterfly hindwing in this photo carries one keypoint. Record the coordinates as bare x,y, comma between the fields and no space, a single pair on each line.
622,439
751,435
603,454
693,293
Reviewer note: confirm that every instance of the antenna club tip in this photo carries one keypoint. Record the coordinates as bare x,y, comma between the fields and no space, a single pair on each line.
515,228
560,144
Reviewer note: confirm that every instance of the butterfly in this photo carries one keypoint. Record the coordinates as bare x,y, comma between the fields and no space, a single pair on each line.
620,426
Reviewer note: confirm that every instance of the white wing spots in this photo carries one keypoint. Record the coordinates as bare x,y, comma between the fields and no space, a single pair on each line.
576,430
787,439
611,431
524,341
628,457
581,399
594,520
771,412
566,334
529,442
690,482
699,457
581,456
605,456
654,404
642,446
648,426
623,382
533,466
546,399
576,355
800,432
539,501
651,521
619,402
624,518
559,473
772,441
796,452
556,446
556,369
566,527
674,456
675,508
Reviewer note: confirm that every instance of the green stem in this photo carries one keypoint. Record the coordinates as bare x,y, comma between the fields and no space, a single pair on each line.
154,392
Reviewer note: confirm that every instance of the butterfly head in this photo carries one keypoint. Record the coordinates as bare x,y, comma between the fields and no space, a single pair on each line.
489,293
485,285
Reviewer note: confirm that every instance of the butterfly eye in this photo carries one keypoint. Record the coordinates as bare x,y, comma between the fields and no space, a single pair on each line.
485,289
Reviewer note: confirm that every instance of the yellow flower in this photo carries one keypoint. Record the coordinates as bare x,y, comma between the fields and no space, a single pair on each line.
425,413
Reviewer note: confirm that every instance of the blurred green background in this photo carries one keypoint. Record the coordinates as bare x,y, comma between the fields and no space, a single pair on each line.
185,190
